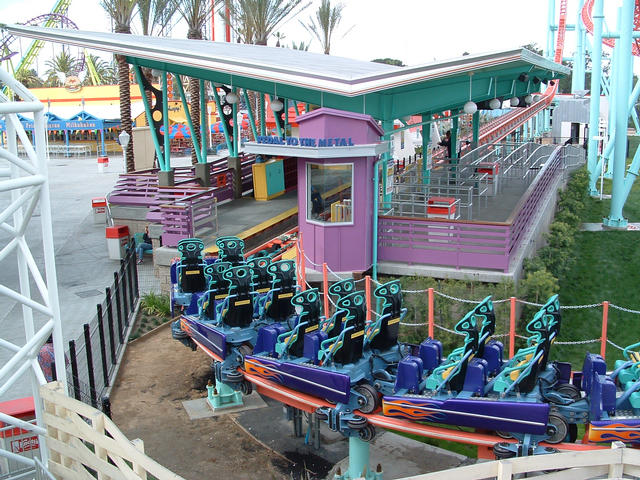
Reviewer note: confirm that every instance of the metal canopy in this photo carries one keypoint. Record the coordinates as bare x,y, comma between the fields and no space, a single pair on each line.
383,91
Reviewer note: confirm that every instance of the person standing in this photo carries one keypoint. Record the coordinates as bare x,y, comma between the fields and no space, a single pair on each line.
446,142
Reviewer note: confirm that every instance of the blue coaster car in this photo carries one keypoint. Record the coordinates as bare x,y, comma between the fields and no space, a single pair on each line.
275,305
455,391
344,368
218,290
187,275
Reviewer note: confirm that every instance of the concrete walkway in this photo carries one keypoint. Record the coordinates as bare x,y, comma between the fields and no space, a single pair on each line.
82,261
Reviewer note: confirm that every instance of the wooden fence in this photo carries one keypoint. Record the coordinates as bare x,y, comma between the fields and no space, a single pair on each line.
613,463
84,444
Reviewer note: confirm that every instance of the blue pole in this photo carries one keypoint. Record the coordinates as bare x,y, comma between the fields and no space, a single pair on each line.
102,142
577,79
358,458
147,110
623,89
387,127
426,139
222,122
187,114
376,201
236,130
66,140
594,109
551,20
165,122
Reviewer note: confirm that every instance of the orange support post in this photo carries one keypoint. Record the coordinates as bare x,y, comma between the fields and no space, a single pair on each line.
367,290
325,287
430,319
512,327
605,319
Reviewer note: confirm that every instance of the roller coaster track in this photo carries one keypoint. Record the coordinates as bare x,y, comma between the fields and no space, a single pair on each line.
502,126
310,404
587,20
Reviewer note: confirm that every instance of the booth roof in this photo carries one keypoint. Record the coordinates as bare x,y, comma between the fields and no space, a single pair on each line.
326,80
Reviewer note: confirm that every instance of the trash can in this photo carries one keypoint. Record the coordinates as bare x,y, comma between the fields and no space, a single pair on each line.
117,239
99,206
103,162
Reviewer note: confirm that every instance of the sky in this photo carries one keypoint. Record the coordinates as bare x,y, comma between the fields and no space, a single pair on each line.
414,31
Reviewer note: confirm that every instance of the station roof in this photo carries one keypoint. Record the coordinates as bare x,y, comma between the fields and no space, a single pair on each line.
383,91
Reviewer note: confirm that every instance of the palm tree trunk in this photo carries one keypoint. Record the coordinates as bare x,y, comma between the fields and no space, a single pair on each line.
125,108
194,93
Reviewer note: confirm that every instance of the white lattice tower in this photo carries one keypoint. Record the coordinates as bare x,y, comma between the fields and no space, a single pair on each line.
27,181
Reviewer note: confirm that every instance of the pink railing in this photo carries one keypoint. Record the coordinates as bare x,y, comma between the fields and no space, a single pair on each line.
191,216
466,244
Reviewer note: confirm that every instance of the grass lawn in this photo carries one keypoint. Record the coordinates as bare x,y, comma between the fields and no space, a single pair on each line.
607,267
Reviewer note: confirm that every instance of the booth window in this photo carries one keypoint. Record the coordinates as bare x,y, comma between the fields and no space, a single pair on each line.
329,192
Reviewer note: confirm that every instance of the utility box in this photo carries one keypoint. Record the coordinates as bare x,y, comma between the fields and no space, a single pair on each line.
117,240
103,162
99,207
17,440
268,179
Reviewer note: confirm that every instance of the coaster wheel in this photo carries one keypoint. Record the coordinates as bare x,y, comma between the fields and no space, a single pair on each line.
502,451
560,426
367,433
246,387
234,377
357,423
569,390
371,400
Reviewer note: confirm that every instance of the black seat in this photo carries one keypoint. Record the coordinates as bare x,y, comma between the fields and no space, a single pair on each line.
260,275
231,249
190,269
308,306
383,334
353,339
338,290
237,309
283,287
218,287
484,312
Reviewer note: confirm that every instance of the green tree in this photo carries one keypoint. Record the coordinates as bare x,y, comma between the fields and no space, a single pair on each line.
101,72
256,20
121,13
29,78
538,286
195,13
59,68
300,46
323,26
155,16
389,61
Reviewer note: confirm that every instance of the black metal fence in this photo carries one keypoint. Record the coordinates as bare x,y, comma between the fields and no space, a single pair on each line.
94,356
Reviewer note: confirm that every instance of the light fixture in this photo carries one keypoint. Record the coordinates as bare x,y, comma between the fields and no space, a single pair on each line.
536,98
495,104
514,102
231,97
470,107
217,85
536,80
523,77
124,138
528,99
156,73
277,105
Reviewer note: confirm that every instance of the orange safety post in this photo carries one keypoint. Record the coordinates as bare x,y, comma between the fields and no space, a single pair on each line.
605,319
512,327
325,287
303,268
367,290
430,319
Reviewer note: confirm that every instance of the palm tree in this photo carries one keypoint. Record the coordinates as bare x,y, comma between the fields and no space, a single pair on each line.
256,20
29,78
195,13
324,24
121,13
100,72
155,16
59,68
300,46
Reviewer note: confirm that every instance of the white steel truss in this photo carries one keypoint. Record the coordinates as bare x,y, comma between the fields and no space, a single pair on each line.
28,184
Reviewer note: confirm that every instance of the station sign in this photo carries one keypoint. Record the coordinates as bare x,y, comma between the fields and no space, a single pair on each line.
306,142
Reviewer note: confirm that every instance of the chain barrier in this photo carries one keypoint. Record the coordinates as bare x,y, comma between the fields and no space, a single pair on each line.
463,300
310,261
579,342
615,345
413,324
448,330
628,310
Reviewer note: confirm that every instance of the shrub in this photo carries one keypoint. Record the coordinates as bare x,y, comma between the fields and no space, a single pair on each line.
154,304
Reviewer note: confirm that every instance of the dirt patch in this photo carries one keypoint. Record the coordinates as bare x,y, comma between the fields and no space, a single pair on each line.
157,374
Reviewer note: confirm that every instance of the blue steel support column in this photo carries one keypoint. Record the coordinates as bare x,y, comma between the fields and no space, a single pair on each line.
203,123
525,131
358,458
454,137
577,79
236,130
224,124
147,110
387,127
101,141
551,21
66,141
476,128
623,89
376,202
165,122
252,122
187,114
594,108
426,139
